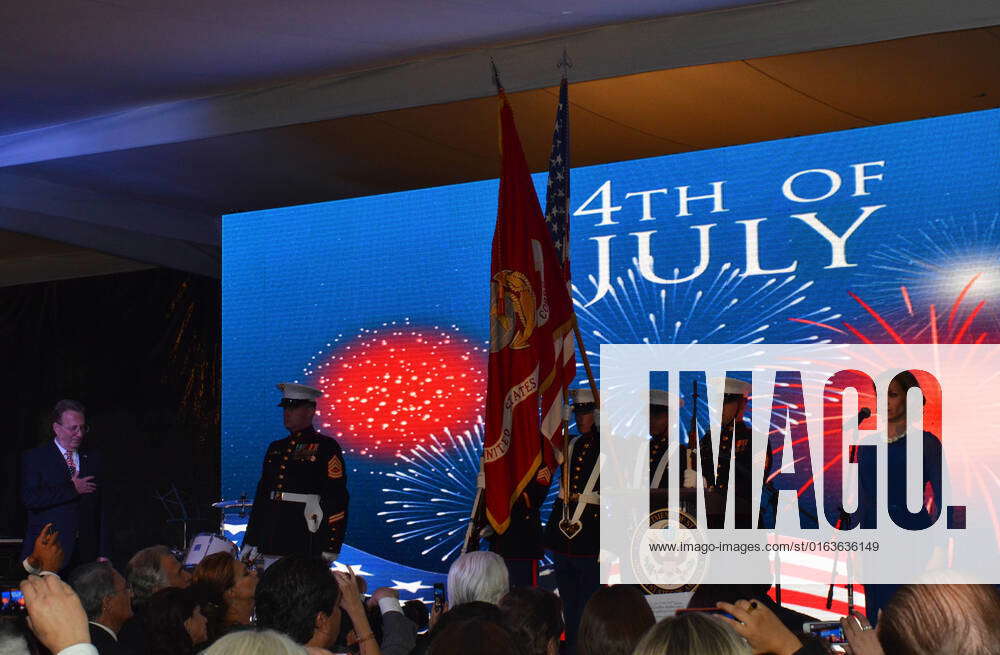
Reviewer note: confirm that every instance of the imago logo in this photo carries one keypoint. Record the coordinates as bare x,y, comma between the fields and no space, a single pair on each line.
816,443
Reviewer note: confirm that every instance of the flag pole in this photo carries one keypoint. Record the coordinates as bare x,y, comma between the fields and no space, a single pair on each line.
565,63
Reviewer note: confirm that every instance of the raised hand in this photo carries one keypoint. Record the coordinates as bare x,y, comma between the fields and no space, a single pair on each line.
759,626
47,554
860,635
54,612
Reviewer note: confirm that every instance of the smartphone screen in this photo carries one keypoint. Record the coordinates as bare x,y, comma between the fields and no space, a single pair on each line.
13,601
438,594
829,631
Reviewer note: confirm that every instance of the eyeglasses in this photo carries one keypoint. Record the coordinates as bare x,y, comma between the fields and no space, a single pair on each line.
82,429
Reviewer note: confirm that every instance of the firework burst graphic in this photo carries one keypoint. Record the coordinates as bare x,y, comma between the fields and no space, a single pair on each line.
724,308
727,308
387,388
941,262
958,321
432,490
962,320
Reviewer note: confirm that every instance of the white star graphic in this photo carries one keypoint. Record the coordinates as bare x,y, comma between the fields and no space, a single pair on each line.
356,567
411,587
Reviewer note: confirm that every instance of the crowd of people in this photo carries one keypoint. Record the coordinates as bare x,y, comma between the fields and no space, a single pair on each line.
299,605
78,603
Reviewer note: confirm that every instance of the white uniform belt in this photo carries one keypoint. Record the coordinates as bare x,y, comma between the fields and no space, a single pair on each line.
313,511
592,498
294,498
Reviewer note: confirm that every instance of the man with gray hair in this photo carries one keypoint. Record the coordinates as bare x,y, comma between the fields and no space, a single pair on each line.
479,575
107,600
150,570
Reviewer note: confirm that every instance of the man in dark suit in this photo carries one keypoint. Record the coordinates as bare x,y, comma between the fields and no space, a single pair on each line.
107,600
59,486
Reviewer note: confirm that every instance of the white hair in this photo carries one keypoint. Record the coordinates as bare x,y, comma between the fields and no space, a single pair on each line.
479,575
255,642
11,641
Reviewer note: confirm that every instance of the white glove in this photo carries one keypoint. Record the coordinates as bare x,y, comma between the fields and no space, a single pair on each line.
329,557
249,553
313,513
690,479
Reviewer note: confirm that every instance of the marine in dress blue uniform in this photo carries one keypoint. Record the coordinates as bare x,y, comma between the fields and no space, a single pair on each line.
301,503
575,544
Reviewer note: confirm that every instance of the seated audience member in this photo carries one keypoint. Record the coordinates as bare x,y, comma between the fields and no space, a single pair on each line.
255,642
943,619
479,575
394,632
692,634
921,619
397,634
174,623
614,620
534,617
107,601
150,570
709,595
300,597
225,589
475,637
474,610
416,611
57,617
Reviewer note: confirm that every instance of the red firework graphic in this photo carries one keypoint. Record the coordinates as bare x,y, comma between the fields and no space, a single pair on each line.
390,388
954,324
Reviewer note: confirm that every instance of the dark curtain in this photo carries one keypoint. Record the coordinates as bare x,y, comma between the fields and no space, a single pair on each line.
142,352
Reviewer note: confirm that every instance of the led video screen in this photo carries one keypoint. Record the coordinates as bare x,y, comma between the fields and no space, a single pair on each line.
882,234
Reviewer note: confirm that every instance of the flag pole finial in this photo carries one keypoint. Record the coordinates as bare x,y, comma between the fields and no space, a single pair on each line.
496,75
565,63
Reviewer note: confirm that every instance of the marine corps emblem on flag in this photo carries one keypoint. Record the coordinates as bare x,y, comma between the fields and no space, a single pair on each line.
512,311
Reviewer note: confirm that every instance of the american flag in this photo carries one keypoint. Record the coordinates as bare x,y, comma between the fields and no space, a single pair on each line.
557,219
557,193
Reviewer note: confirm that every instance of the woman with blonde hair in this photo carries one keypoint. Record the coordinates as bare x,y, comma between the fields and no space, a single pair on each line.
255,642
692,633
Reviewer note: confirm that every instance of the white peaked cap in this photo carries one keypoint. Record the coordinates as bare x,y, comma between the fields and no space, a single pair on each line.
662,398
582,396
294,391
734,386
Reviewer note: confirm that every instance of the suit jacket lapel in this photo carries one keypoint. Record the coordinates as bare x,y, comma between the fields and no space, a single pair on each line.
57,457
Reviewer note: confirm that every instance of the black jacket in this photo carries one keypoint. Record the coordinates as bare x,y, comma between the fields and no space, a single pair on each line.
306,462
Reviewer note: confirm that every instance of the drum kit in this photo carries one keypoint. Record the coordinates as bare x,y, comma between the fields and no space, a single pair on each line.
203,544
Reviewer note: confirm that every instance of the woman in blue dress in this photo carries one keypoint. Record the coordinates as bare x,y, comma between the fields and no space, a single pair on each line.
878,595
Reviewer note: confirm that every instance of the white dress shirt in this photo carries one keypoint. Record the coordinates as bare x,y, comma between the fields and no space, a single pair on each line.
62,451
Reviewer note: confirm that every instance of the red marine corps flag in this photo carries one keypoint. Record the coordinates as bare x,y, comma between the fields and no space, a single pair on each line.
531,325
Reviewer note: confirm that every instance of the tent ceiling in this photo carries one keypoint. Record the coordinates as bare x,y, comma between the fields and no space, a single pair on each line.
149,182
69,59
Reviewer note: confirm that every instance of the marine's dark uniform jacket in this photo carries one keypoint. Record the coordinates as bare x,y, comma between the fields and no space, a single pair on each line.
305,462
742,464
523,538
586,542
